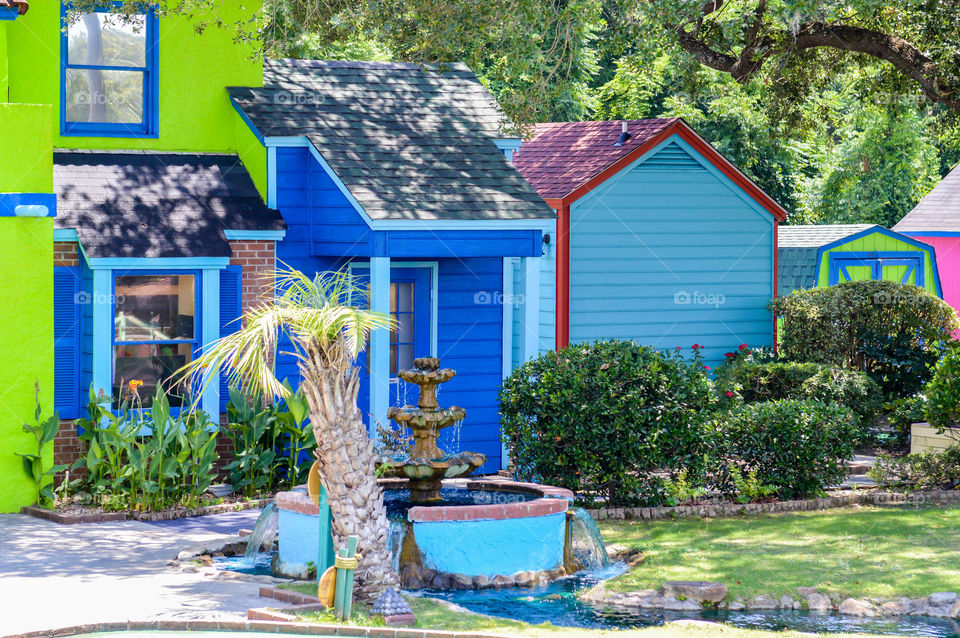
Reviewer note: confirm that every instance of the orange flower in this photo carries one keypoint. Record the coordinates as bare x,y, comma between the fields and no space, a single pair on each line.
134,384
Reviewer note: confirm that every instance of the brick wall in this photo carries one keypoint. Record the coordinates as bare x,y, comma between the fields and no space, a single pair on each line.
65,253
67,448
258,259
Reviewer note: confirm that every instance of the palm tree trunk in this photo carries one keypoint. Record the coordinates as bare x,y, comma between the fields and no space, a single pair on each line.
346,456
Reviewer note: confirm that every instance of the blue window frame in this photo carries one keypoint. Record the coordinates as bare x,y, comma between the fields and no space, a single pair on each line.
156,330
108,76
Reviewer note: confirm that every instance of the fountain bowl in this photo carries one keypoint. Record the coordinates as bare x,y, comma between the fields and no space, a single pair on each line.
497,533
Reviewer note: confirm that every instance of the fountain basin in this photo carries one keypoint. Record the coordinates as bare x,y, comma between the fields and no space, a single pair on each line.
505,533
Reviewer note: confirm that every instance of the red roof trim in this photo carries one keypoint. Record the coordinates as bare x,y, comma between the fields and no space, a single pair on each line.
687,134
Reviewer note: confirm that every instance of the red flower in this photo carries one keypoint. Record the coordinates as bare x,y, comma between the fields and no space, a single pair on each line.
729,394
557,438
706,367
743,346
679,348
696,346
729,354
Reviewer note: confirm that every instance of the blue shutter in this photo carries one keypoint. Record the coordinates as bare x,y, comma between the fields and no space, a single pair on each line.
231,300
67,331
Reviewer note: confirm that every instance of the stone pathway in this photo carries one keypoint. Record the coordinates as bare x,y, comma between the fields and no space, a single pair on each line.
857,472
55,575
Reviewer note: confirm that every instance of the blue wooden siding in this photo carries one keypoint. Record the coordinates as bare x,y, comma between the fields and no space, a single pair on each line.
469,323
670,253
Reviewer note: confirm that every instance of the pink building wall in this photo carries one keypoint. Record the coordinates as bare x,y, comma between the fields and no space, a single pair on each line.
948,264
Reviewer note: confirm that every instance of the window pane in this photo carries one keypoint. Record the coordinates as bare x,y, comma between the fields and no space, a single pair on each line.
405,357
154,307
114,97
151,364
405,296
405,329
102,39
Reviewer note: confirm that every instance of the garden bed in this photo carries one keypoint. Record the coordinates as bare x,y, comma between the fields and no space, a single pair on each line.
73,514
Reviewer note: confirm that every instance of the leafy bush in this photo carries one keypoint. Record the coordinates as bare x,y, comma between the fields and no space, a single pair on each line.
903,413
680,491
142,461
927,469
749,488
889,330
602,418
791,380
799,447
943,392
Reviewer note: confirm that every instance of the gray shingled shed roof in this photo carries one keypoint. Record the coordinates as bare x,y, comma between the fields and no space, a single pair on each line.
938,211
797,250
408,142
142,204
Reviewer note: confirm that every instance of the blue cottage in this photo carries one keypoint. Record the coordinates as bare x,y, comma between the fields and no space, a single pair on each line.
660,239
403,174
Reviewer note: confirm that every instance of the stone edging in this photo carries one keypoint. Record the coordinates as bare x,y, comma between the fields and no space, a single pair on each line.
520,509
163,515
274,627
698,595
716,510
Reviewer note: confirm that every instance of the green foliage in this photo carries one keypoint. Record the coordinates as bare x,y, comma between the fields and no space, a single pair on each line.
271,443
749,488
942,409
43,431
145,461
918,471
889,330
679,490
799,447
602,418
903,413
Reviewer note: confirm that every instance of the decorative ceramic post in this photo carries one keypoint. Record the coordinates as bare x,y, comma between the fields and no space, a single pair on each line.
346,561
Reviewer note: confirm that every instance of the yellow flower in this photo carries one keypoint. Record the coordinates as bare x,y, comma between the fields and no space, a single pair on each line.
134,384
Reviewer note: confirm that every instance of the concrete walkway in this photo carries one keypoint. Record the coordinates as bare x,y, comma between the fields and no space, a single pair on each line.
54,575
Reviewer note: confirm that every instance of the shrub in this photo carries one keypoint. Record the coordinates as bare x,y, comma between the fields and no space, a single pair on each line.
889,330
943,392
602,418
791,380
927,469
798,447
903,413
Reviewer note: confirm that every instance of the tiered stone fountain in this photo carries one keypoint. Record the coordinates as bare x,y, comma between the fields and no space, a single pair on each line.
448,531
426,465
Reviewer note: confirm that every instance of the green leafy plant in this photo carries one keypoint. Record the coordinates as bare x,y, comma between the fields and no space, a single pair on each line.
902,414
251,431
934,468
891,331
749,488
43,431
799,447
603,418
679,490
942,409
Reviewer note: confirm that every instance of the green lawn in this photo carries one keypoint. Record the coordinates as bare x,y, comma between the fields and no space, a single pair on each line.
865,551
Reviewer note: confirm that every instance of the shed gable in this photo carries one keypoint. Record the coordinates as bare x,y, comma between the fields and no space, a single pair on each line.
670,252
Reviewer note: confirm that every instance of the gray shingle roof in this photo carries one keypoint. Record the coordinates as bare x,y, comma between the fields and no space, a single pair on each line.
409,142
816,234
797,249
137,204
938,211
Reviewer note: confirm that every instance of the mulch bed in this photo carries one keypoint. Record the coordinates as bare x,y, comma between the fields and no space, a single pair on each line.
71,513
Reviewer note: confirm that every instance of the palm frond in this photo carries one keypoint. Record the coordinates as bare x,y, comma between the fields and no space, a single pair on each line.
321,312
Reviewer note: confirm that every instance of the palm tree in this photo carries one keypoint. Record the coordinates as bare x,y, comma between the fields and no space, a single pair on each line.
328,330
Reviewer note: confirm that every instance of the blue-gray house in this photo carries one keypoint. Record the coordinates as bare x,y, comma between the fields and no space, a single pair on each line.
403,174
660,238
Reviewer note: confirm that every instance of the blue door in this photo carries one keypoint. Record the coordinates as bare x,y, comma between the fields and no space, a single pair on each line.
410,307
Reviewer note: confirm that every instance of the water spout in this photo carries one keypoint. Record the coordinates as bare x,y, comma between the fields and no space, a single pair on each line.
263,536
583,546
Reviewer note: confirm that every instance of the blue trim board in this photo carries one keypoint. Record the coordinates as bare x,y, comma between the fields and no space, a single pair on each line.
246,120
9,13
148,127
65,234
165,263
254,235
208,304
10,202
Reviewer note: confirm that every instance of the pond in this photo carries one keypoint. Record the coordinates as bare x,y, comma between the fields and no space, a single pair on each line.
557,603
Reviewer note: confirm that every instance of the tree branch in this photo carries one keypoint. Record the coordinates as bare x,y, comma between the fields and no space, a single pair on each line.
760,46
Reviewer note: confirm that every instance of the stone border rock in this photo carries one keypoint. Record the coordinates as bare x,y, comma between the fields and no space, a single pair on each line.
700,595
65,518
718,510
274,627
196,559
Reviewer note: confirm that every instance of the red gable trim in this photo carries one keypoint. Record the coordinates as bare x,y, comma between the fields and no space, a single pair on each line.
687,134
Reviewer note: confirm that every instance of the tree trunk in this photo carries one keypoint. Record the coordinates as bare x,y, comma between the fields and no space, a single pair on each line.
346,456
